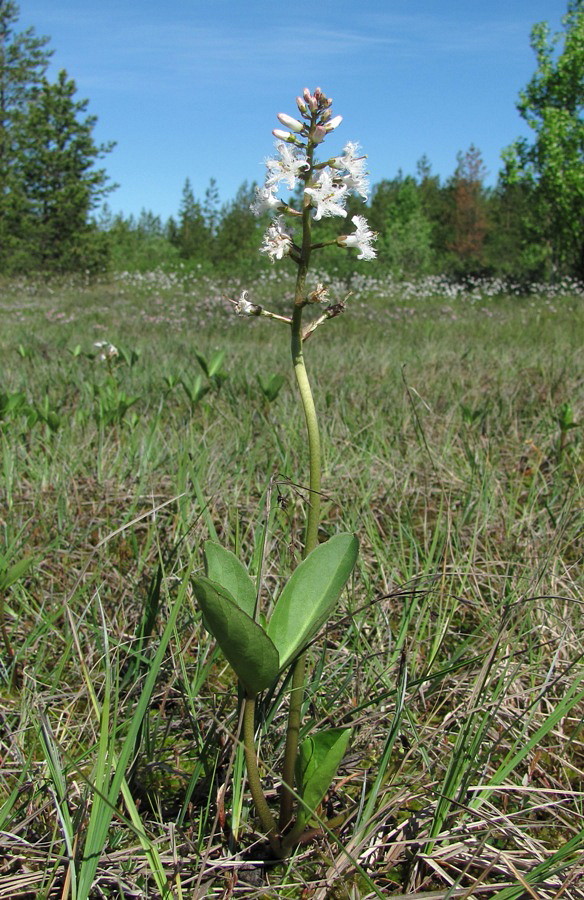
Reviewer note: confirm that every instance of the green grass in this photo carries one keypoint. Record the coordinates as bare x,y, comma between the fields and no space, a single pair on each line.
457,657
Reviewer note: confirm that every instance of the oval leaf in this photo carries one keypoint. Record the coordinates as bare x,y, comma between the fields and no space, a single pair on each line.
246,646
226,569
310,595
318,759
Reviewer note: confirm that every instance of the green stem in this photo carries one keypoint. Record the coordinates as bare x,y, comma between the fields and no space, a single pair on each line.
314,452
255,784
313,517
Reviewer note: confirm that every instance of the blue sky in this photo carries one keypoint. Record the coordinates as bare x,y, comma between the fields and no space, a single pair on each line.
191,89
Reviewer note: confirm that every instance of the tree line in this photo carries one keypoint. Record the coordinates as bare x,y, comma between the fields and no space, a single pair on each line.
529,225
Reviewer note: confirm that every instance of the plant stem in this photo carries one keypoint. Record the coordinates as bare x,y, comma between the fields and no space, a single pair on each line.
255,784
313,517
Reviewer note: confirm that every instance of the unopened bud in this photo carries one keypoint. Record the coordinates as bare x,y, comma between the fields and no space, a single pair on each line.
318,134
283,135
312,101
334,123
302,107
289,122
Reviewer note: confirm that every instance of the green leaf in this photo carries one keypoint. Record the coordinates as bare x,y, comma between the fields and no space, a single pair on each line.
216,363
226,569
318,759
271,387
202,360
310,595
246,646
13,573
195,390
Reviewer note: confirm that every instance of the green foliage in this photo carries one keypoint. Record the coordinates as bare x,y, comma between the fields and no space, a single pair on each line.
311,594
48,182
212,366
319,757
23,62
405,242
192,235
449,556
271,387
239,233
228,602
195,388
223,566
110,402
246,646
552,164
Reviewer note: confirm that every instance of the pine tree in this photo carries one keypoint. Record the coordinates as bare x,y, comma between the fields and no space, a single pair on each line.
239,233
58,184
193,235
469,221
211,207
23,61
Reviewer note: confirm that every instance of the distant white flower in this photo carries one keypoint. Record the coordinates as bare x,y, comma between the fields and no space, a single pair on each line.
243,307
266,200
287,168
356,177
361,238
108,351
327,196
277,243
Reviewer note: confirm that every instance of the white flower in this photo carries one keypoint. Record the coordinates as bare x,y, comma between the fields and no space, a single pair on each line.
287,168
266,199
108,351
327,196
356,178
361,238
277,243
243,307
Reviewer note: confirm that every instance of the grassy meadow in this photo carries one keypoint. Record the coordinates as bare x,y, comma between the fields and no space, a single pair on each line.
449,421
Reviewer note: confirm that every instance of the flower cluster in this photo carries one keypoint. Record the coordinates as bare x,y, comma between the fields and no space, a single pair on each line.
107,351
325,186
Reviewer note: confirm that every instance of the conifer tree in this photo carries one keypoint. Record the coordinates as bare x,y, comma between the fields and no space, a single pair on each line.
57,180
23,61
469,221
192,236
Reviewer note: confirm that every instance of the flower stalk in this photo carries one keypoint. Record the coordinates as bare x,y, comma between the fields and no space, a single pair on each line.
325,187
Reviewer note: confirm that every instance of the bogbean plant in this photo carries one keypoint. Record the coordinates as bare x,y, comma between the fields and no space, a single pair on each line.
260,650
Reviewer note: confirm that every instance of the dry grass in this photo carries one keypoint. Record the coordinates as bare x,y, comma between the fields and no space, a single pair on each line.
458,656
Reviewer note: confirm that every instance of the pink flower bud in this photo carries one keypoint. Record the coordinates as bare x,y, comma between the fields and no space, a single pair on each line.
282,135
301,105
312,101
318,134
289,122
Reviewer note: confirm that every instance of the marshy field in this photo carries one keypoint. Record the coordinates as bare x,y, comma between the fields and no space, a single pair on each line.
451,423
